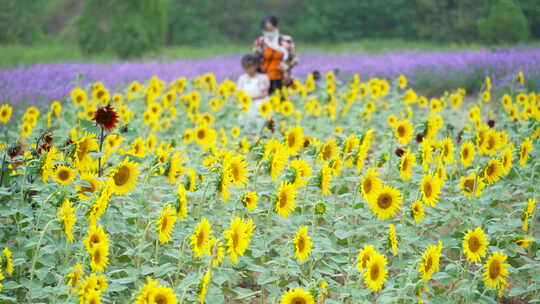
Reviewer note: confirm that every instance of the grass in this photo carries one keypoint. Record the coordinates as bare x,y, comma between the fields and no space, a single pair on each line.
16,55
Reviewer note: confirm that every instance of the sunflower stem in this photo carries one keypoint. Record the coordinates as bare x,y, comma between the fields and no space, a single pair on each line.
101,138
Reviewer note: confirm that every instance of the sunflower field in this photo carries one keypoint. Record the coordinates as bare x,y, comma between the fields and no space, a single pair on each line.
340,190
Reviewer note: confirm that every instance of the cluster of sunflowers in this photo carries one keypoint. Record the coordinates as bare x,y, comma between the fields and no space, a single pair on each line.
338,191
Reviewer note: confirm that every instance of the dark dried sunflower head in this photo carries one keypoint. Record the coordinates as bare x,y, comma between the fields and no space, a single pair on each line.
106,117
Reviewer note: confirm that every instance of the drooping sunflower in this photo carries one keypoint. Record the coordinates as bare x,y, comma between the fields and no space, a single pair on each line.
386,202
392,238
364,256
403,131
74,276
84,146
405,165
507,157
93,184
285,199
302,172
66,214
302,244
430,261
375,274
417,209
447,150
370,184
472,185
99,257
524,151
325,177
297,296
64,175
431,188
200,239
495,271
475,244
238,237
250,200
493,170
467,153
294,139
165,223
124,177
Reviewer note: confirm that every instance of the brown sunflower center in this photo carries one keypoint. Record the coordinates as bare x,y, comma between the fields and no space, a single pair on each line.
468,185
494,269
401,131
374,272
301,244
122,176
298,300
64,175
384,201
474,244
428,189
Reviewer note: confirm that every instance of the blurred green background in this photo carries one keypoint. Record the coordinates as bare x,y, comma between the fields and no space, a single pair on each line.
58,30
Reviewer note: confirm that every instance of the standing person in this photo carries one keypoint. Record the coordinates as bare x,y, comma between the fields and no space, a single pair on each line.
277,53
255,84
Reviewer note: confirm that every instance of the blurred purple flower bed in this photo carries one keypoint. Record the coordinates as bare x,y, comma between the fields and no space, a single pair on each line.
428,72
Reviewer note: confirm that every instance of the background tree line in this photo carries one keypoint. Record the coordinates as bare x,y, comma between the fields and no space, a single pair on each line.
132,27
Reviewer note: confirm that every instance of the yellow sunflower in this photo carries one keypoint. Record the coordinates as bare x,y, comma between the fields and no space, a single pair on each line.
418,212
162,295
250,200
83,147
285,199
7,261
370,184
238,237
386,202
165,223
325,177
329,150
200,239
239,171
431,188
96,235
297,296
302,244
66,214
405,165
294,139
493,170
91,185
99,257
467,153
475,244
392,238
364,256
302,172
74,276
375,274
5,113
124,177
472,185
447,150
403,131
507,157
64,175
495,271
524,151
430,261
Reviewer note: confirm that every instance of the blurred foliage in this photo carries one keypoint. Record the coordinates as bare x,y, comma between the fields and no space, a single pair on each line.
133,27
505,22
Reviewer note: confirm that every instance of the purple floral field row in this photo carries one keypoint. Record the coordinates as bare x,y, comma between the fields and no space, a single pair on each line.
42,83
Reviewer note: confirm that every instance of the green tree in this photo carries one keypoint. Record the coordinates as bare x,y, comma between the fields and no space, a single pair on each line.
20,21
505,23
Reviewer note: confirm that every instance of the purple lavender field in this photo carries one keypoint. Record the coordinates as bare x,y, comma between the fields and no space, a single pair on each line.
428,72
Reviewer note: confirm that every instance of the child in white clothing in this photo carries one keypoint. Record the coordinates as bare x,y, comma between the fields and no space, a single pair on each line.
255,84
